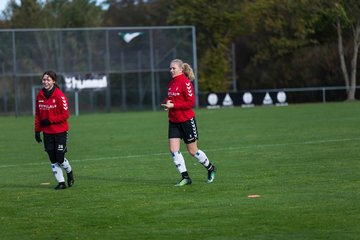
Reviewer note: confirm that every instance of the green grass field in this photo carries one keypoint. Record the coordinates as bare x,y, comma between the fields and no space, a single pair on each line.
303,161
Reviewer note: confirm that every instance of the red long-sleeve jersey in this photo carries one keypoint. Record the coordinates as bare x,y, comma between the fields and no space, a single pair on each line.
182,95
55,108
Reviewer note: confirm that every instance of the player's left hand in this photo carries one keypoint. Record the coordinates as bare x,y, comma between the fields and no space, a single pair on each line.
45,122
167,105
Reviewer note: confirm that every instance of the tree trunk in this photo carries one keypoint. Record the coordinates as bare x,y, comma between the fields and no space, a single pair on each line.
342,56
351,93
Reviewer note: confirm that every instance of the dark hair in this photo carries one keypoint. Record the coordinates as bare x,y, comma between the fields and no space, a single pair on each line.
52,74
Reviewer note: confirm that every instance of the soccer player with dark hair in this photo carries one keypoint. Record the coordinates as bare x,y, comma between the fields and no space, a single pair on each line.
182,124
51,115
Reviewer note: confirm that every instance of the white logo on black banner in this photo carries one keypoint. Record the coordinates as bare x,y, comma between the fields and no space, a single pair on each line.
247,99
228,102
213,100
267,99
281,97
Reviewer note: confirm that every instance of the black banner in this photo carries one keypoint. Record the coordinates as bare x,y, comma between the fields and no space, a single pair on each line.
246,99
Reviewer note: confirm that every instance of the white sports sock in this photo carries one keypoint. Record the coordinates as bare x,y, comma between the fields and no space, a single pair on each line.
179,161
66,166
202,158
57,172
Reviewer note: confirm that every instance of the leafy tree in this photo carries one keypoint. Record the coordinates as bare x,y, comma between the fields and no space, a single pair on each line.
136,12
53,14
278,27
123,13
345,17
217,24
72,14
26,14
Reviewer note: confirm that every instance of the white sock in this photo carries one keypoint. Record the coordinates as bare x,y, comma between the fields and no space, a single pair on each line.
66,166
202,158
57,172
179,161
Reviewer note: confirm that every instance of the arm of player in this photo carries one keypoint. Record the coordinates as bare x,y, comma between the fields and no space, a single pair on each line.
37,118
64,111
189,97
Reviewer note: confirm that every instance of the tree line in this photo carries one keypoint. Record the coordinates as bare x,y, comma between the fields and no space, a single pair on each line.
271,43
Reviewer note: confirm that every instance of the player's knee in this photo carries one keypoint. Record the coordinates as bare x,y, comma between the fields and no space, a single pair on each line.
192,152
52,157
60,157
173,149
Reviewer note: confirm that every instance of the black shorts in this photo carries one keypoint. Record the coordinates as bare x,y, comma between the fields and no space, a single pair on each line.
55,142
184,130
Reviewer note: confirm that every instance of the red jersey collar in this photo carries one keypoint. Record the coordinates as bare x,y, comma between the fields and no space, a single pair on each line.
180,77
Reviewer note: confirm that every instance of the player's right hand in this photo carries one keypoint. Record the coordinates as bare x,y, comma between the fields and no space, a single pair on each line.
167,105
37,137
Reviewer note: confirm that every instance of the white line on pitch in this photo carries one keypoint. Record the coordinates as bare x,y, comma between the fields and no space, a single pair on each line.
208,150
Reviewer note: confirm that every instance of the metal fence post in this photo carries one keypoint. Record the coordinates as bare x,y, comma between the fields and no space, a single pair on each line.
153,97
76,92
16,90
195,66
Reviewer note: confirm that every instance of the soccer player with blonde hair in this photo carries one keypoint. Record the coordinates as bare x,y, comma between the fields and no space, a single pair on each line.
179,103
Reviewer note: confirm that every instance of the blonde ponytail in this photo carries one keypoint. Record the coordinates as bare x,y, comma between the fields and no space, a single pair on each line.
188,71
